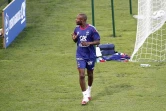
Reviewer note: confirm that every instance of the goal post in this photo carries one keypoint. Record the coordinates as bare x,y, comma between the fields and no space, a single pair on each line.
150,44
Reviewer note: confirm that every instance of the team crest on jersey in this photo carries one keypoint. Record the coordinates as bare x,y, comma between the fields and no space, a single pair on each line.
87,32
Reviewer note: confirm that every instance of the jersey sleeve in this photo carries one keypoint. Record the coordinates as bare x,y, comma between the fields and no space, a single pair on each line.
75,31
96,35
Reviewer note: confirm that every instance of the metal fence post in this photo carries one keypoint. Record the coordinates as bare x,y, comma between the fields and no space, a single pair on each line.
93,18
130,3
113,20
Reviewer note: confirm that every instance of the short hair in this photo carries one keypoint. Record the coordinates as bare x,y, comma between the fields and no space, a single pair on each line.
84,16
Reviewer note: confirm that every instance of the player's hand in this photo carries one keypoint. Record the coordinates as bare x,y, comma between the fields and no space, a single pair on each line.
84,43
74,36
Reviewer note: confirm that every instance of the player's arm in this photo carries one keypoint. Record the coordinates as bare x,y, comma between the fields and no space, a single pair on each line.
96,39
74,37
96,42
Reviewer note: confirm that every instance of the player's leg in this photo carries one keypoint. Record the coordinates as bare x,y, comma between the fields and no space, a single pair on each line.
82,79
90,82
81,64
90,68
90,77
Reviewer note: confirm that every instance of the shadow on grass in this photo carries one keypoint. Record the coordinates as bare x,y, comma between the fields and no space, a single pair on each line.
112,89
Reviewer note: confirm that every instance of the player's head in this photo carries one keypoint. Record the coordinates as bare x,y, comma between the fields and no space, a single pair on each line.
81,19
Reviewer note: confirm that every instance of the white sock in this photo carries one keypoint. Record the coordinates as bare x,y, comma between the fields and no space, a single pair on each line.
84,94
89,91
89,88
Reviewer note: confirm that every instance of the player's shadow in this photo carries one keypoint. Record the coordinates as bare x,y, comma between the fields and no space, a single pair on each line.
112,89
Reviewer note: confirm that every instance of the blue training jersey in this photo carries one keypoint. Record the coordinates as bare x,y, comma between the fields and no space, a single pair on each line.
88,34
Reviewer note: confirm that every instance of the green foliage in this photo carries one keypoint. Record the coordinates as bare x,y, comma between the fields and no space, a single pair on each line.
38,70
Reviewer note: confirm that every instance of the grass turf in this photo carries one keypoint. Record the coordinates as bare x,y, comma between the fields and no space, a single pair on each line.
38,70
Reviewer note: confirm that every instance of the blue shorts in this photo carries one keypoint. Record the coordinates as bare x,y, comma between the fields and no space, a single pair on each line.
86,63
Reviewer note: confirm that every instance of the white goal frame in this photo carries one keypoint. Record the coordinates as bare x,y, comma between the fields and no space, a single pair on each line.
150,44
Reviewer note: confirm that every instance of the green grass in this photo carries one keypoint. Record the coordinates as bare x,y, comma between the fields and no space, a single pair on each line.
38,70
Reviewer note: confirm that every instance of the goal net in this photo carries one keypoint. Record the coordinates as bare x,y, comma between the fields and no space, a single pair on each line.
150,42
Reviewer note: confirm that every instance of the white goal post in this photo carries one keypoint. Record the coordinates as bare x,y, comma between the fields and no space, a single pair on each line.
150,44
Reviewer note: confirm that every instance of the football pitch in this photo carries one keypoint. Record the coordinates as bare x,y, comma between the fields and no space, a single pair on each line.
38,70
